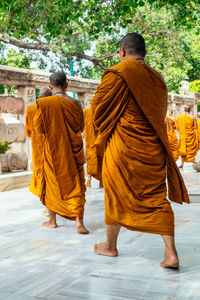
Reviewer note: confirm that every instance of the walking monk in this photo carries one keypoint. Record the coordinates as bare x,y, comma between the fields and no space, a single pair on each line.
173,140
37,145
91,156
188,139
60,120
129,110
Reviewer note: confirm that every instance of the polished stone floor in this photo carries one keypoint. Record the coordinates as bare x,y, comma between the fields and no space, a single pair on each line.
57,264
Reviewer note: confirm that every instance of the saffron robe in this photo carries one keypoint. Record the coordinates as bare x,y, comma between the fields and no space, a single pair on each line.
188,139
173,140
129,109
60,121
198,132
37,140
90,136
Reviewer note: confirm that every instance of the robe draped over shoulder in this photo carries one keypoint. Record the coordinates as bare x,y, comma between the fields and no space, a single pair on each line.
198,132
188,137
129,109
60,121
91,155
173,140
37,141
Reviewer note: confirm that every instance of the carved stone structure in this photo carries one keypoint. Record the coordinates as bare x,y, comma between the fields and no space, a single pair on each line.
12,133
177,103
11,105
13,161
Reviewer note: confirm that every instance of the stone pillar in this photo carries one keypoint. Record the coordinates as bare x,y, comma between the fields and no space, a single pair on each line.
85,98
28,93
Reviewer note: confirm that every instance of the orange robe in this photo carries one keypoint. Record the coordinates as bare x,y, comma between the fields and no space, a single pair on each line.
173,140
37,140
188,139
129,109
91,155
60,120
198,132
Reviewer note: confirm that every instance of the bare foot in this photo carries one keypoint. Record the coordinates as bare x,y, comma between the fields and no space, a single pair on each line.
81,229
181,166
103,249
88,183
171,260
49,224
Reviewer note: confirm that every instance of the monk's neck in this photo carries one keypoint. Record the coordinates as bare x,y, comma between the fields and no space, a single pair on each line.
136,57
59,91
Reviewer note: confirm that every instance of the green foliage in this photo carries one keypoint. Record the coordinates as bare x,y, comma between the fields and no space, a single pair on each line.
4,147
170,27
195,86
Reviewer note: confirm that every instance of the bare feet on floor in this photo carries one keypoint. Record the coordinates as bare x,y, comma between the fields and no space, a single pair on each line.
80,226
100,184
50,224
181,166
103,249
88,183
171,261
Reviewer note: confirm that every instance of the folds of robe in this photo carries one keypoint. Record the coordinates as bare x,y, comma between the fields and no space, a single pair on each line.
173,140
59,120
37,141
188,139
198,132
91,155
129,109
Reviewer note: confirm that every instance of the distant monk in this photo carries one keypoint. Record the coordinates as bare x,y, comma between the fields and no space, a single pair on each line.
91,156
60,120
173,140
129,110
188,140
37,146
198,128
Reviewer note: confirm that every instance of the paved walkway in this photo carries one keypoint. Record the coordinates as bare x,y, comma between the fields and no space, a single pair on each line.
58,264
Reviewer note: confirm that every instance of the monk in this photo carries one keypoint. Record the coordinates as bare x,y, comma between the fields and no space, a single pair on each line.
91,157
188,139
37,145
198,128
173,140
59,119
129,110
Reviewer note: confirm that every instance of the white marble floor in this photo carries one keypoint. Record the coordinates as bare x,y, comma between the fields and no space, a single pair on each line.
57,264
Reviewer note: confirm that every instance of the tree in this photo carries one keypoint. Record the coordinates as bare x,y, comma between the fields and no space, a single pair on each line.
58,25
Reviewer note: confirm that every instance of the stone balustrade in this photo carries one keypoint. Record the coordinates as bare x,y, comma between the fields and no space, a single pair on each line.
12,133
11,105
13,162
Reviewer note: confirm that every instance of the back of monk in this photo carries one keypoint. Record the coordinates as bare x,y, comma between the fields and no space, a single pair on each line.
198,132
173,140
37,140
129,109
59,120
188,140
90,136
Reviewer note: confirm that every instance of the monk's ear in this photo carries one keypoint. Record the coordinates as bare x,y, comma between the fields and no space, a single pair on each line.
51,87
66,85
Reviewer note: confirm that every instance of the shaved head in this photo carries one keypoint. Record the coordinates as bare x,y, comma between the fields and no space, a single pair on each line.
188,108
45,92
134,44
58,79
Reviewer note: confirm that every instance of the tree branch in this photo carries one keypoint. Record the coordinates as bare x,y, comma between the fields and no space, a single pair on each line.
44,47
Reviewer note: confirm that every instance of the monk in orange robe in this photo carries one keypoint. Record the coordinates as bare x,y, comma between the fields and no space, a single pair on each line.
188,137
60,120
173,140
129,110
91,156
198,128
37,146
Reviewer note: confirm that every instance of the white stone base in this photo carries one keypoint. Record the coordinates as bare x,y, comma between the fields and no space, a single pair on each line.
14,181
